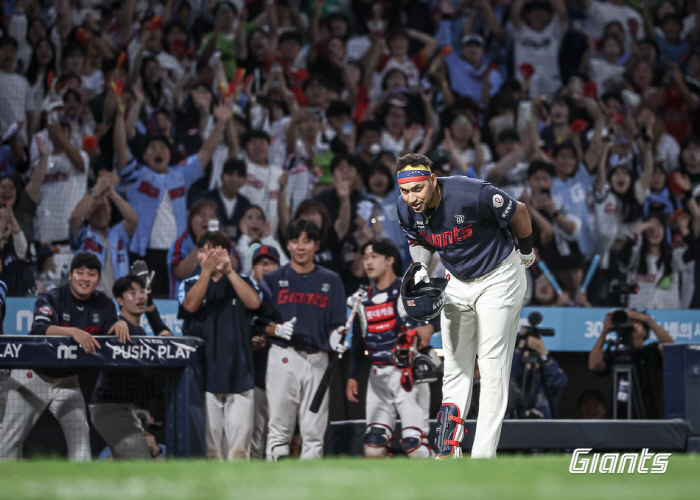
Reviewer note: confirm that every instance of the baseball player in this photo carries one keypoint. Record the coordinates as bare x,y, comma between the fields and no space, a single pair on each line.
471,225
76,310
298,355
214,306
116,394
265,259
382,317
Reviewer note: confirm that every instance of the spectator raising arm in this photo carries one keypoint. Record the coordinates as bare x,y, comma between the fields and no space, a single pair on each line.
62,140
121,148
222,113
516,12
33,187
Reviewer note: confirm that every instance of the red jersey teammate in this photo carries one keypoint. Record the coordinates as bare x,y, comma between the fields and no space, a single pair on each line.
467,222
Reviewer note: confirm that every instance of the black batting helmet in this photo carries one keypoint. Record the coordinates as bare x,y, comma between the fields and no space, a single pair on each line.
422,301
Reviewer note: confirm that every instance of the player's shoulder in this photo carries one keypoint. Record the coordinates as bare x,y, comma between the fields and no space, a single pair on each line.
460,184
325,273
280,271
100,299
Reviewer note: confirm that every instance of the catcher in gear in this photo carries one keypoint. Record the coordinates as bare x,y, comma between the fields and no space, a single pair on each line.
472,225
381,319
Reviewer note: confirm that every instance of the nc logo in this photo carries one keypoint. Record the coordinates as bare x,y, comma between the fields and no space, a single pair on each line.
67,352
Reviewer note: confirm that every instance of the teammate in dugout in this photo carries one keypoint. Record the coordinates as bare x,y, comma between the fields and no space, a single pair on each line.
467,222
119,393
381,318
76,310
298,355
214,306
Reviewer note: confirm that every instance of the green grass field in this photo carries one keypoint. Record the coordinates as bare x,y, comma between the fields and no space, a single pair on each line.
509,477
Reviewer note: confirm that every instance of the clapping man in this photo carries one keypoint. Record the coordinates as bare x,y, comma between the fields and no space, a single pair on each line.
214,306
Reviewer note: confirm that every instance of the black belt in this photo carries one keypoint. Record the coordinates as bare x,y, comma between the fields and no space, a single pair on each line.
304,347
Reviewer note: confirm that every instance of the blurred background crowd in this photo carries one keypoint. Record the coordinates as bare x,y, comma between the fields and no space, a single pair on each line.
128,126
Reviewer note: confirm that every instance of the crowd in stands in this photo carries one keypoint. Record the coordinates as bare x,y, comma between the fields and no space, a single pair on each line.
129,126
205,137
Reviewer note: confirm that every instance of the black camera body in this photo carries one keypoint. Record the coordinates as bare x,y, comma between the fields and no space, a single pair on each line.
623,327
621,290
535,318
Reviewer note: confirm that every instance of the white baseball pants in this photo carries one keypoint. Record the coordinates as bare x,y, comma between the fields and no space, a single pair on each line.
292,379
386,399
29,395
480,318
230,417
121,429
262,416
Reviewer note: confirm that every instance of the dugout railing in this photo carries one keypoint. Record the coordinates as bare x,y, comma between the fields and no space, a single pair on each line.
176,366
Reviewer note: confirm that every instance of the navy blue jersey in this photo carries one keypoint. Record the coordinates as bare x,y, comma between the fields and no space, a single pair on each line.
222,321
380,320
126,386
468,228
59,307
316,299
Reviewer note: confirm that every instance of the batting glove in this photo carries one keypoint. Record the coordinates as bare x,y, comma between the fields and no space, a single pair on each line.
421,275
140,269
335,339
528,259
285,330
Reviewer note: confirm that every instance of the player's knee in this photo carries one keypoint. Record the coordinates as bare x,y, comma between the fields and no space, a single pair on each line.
278,452
415,443
376,441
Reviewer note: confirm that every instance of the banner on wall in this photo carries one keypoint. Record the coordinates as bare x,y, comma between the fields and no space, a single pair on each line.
576,329
20,313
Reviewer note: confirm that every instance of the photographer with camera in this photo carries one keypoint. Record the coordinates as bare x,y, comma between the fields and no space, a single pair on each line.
632,328
535,375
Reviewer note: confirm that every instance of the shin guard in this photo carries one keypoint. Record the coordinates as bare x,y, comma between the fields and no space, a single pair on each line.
449,432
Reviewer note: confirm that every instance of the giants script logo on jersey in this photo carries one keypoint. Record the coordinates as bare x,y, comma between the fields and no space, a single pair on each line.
314,299
448,237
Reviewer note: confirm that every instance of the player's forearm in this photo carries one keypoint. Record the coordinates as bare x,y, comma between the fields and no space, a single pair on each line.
195,297
521,221
421,253
250,298
60,331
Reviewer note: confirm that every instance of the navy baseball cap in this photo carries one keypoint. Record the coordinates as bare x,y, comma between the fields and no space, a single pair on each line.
266,251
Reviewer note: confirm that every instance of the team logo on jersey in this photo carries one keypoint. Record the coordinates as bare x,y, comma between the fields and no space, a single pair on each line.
66,317
325,287
411,303
284,283
459,219
96,318
497,200
46,311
